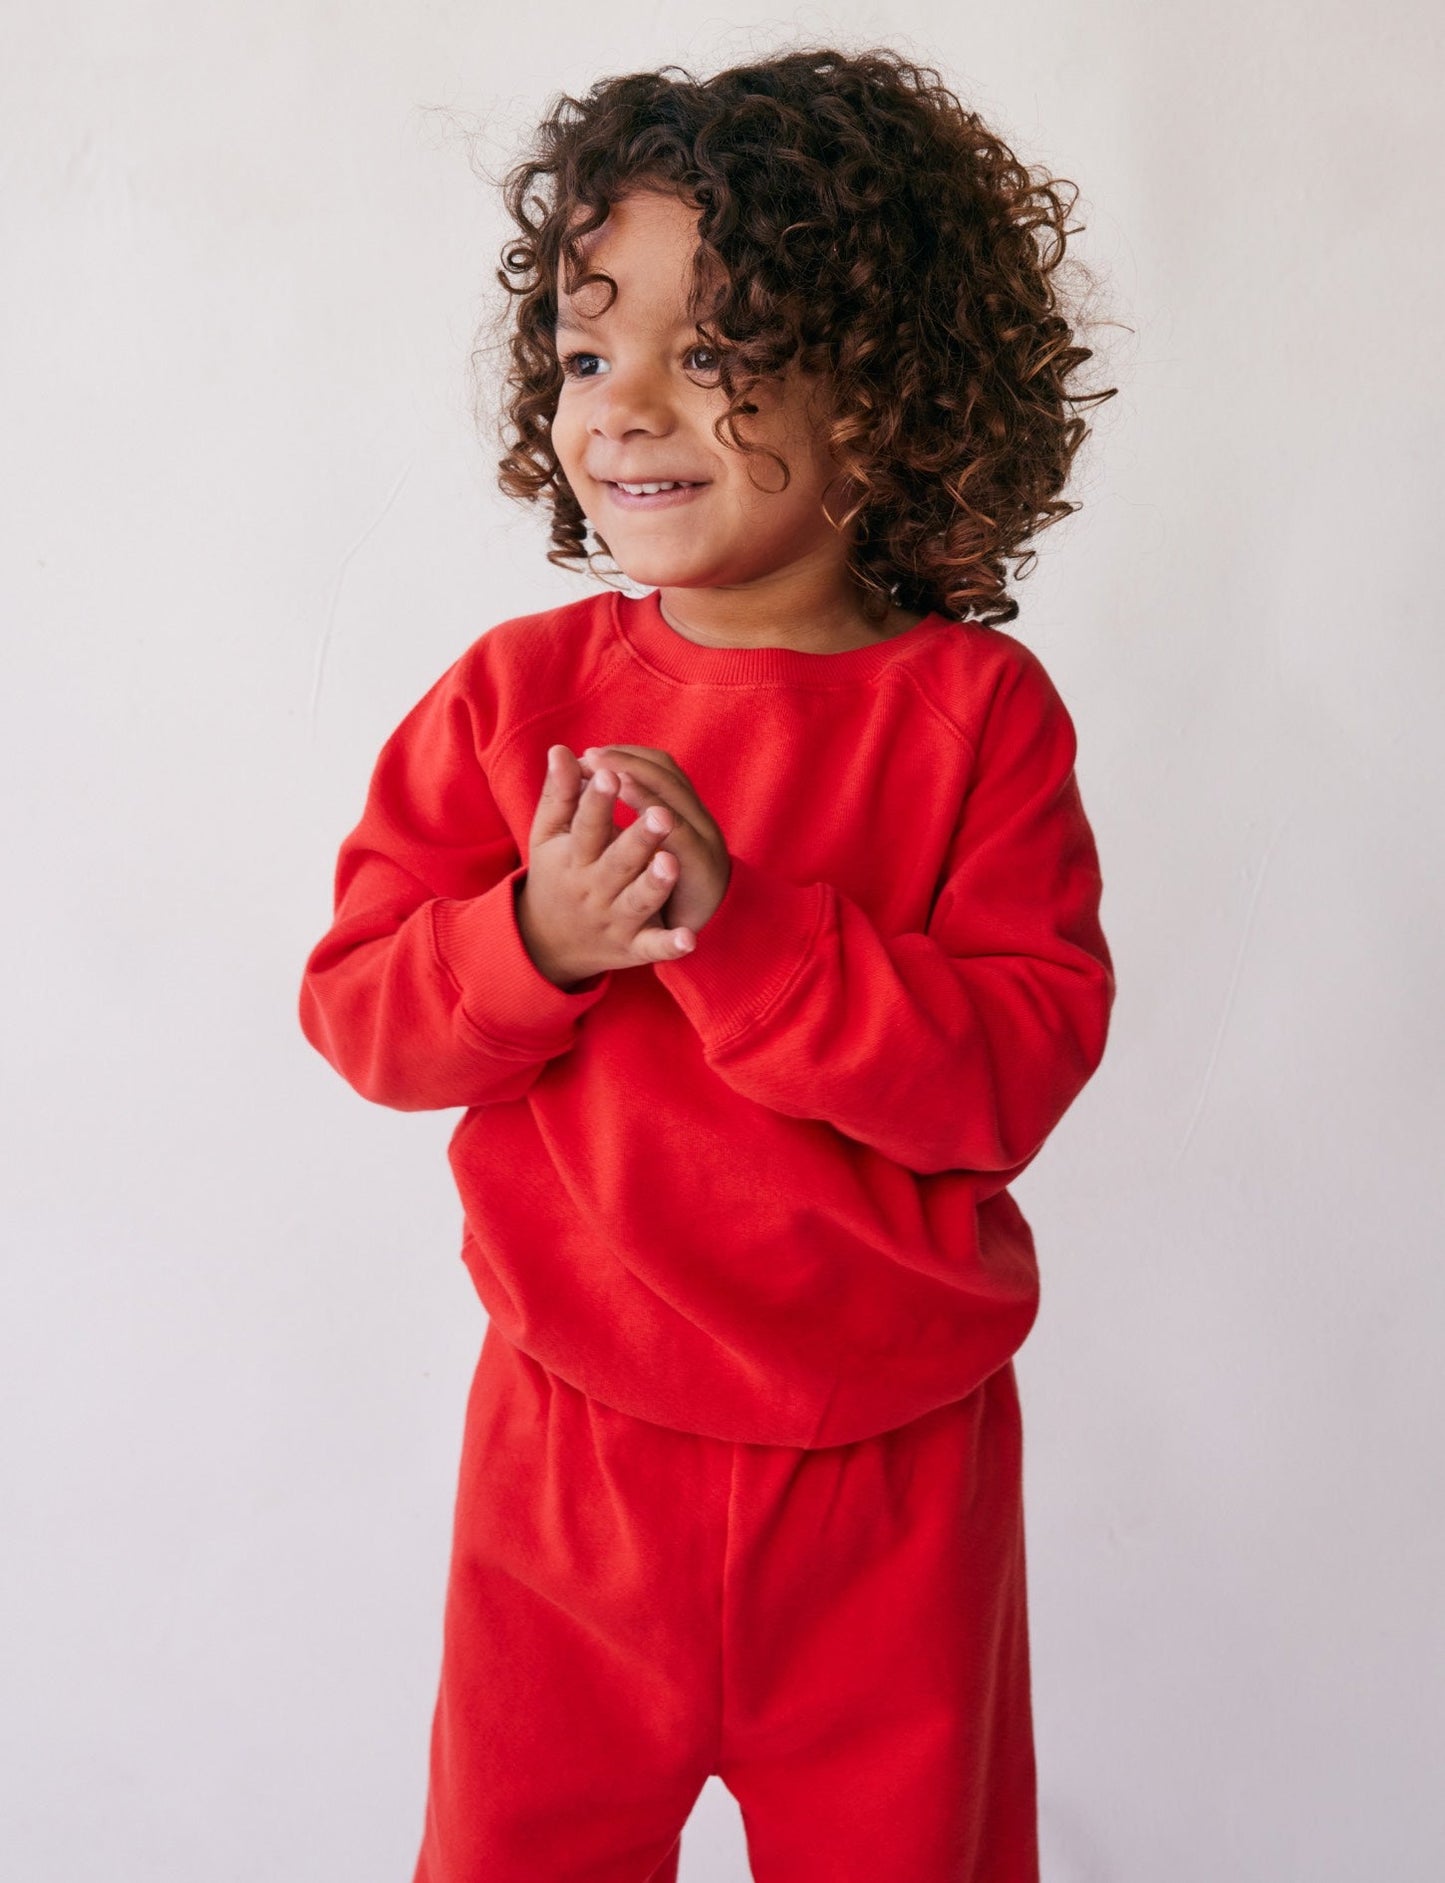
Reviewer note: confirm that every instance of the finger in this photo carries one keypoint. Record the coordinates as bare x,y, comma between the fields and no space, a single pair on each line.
557,801
631,850
640,898
618,756
639,751
653,942
593,828
663,944
695,827
665,783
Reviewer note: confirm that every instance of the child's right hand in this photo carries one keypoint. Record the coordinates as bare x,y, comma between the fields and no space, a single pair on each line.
590,898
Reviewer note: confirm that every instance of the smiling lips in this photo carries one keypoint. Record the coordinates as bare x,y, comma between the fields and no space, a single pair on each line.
654,494
640,487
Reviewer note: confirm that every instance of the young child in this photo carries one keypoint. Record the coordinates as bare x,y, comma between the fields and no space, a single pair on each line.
754,921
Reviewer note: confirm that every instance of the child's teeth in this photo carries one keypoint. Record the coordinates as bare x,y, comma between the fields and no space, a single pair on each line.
647,490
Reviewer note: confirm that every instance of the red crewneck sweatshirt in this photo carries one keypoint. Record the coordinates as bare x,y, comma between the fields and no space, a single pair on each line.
758,1192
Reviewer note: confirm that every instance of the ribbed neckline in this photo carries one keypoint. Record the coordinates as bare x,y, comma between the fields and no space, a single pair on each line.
639,621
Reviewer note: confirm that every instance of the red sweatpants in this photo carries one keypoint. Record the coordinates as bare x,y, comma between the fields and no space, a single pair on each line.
839,1633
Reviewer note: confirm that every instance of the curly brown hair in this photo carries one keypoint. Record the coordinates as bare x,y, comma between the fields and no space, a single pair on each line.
863,223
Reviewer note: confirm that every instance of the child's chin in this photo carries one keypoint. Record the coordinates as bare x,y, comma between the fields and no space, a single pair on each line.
663,571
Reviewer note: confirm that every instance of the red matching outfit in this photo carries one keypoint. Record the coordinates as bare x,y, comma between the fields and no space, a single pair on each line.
741,1474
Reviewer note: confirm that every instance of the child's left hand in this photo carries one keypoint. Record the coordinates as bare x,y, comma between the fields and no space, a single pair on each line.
704,866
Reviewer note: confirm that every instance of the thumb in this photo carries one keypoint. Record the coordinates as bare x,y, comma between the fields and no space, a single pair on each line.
557,804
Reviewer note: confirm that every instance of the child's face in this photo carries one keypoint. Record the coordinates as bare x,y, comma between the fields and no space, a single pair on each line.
637,405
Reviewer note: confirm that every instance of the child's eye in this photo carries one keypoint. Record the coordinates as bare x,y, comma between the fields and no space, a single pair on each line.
572,364
582,365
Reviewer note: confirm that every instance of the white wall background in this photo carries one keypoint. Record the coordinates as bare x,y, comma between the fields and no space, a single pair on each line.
247,522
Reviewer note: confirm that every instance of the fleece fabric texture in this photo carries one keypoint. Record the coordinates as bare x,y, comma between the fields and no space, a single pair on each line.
841,1634
758,1193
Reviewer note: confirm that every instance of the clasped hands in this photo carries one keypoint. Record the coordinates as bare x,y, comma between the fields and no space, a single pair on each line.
596,897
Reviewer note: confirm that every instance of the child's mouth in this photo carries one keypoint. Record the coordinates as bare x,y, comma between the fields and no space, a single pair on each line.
658,494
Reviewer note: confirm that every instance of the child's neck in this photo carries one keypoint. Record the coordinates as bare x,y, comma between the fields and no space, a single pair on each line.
810,610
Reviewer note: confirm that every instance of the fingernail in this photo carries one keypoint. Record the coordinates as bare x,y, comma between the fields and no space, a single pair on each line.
654,819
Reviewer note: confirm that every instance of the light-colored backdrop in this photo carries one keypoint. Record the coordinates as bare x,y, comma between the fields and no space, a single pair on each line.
246,524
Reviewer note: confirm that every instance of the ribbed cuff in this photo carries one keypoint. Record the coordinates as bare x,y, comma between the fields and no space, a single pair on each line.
504,994
747,952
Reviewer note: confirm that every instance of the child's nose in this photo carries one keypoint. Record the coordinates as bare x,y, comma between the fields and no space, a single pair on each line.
629,402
